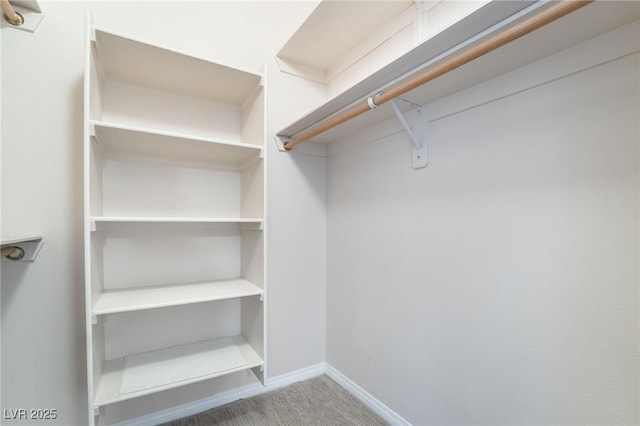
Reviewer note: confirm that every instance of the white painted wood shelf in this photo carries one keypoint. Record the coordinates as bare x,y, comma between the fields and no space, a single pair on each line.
143,219
175,228
20,239
117,301
138,63
351,24
143,374
131,141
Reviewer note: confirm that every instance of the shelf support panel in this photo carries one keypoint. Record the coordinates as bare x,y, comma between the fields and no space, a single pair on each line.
21,249
281,142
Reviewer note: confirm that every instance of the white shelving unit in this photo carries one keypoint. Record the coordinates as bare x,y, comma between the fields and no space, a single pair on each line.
174,219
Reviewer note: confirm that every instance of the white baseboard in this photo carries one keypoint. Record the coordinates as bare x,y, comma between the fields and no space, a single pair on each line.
369,400
295,376
242,392
273,383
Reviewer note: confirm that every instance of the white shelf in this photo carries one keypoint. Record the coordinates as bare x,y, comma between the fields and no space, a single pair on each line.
111,302
351,23
137,63
20,239
150,372
129,219
590,21
123,140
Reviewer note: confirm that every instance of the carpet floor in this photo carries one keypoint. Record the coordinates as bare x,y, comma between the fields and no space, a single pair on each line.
316,402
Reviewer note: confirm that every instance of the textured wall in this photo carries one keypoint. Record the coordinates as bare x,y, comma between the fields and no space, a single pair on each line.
500,284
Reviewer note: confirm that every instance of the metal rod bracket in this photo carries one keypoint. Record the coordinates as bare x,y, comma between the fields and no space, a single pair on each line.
21,249
281,142
420,148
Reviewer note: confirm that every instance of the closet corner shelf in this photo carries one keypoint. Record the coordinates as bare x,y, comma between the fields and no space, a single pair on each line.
143,374
132,140
25,248
127,300
351,23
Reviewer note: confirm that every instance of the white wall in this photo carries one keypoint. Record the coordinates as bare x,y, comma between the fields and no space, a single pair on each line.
500,284
43,344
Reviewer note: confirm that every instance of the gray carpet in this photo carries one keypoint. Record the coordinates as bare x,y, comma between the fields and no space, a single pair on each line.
317,402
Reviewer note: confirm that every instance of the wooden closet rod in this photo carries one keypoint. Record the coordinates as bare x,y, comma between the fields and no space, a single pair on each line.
556,11
10,14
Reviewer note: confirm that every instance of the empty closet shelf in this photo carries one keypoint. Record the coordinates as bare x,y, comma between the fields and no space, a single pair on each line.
141,374
140,142
137,63
126,300
152,219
